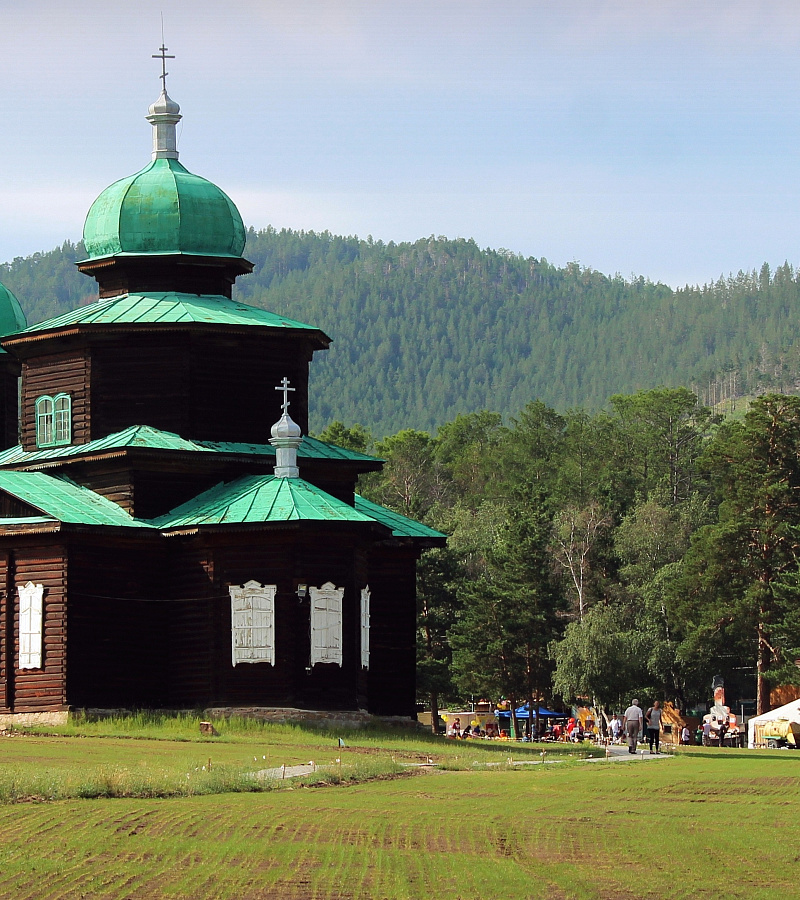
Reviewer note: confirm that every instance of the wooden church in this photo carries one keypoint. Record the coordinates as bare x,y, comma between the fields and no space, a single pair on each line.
169,538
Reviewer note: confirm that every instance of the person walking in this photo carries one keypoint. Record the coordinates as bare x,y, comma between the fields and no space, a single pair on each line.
653,719
633,724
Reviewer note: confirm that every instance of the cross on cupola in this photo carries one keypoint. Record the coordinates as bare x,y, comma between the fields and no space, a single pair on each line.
163,56
284,386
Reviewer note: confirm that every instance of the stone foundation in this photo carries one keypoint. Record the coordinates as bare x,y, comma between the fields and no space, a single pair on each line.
317,718
24,720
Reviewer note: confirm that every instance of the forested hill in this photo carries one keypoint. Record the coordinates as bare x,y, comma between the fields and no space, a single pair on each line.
423,331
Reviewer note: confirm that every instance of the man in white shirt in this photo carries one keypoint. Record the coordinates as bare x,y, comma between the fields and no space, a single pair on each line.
633,724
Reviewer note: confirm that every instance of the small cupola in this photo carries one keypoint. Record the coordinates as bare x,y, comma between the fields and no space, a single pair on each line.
286,438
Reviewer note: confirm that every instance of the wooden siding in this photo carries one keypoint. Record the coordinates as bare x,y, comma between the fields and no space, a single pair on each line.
9,401
140,380
233,380
216,386
201,671
53,374
42,690
392,671
117,623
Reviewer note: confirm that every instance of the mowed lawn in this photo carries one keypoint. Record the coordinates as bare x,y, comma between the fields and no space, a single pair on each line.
704,824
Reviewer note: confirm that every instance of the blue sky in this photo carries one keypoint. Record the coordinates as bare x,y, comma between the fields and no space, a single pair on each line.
659,139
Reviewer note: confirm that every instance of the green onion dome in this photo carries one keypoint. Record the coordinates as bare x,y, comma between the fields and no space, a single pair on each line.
12,318
164,209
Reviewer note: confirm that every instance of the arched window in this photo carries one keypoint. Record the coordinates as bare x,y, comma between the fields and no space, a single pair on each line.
53,420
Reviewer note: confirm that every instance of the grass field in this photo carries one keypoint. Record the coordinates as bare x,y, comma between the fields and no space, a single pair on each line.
705,824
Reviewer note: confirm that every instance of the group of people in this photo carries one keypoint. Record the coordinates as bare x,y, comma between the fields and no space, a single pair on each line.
475,731
634,721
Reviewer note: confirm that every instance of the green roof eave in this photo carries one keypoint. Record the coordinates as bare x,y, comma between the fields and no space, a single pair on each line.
149,438
260,499
401,526
169,308
62,499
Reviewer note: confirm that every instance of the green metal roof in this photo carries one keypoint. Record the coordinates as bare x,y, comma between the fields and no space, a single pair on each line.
256,499
164,208
169,307
144,436
401,526
65,501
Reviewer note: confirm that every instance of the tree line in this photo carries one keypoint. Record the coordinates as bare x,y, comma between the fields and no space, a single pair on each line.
641,550
428,329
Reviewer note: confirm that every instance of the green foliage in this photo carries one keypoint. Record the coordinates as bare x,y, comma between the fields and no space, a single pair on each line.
428,330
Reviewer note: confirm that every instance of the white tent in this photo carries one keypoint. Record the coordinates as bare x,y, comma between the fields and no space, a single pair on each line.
755,726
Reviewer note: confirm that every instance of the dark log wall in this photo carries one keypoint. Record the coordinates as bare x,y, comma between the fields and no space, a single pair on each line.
200,659
191,676
233,384
42,690
392,671
9,401
109,478
218,387
53,374
118,641
141,379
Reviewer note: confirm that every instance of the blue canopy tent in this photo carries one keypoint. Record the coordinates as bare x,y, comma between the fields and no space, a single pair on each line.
523,712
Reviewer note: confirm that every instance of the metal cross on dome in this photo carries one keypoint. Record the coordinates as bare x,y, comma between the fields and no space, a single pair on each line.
284,386
163,57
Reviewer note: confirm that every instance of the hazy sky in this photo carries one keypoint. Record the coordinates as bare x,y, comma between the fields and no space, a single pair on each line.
657,138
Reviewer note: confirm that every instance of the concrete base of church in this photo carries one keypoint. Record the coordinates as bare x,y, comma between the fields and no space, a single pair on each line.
24,720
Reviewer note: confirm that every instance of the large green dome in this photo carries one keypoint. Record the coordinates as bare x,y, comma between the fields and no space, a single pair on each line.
163,209
12,318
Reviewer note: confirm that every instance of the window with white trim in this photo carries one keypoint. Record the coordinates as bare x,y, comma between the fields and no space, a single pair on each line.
253,623
326,624
365,595
30,625
53,420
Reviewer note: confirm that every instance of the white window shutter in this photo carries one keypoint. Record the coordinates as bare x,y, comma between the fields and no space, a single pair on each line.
30,625
365,595
326,624
253,623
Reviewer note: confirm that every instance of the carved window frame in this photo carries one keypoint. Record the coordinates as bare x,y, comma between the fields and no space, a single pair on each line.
366,594
252,623
31,625
326,624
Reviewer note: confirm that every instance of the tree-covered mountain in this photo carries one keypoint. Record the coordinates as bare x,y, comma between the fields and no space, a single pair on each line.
424,331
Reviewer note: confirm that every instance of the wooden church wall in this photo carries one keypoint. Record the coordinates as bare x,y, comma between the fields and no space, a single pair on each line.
191,677
110,478
39,690
53,374
140,379
392,672
201,670
9,402
117,623
233,380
